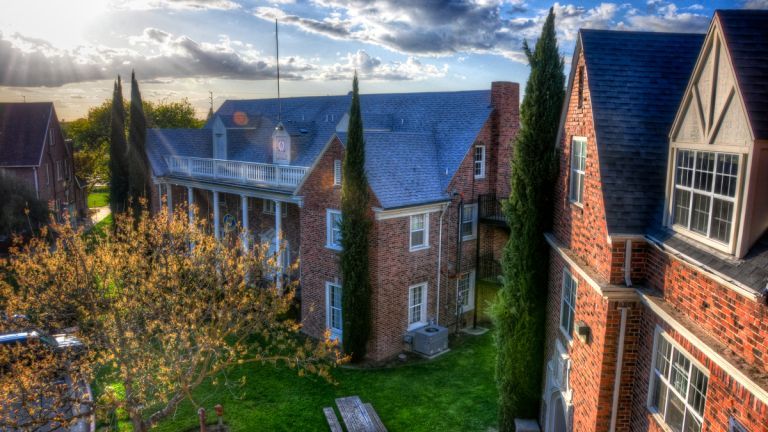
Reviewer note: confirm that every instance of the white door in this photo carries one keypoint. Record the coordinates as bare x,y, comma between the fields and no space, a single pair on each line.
333,309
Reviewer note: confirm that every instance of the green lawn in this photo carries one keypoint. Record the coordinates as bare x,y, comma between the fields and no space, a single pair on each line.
454,392
98,198
100,228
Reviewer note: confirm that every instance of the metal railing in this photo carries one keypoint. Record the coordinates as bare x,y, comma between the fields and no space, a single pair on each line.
489,208
243,172
488,268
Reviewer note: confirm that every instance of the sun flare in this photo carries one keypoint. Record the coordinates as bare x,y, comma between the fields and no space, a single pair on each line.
59,22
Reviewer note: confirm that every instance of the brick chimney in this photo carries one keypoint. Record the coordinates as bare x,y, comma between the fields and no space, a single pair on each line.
505,100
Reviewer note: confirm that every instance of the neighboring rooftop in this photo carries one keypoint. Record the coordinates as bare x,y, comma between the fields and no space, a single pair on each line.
746,36
22,132
636,81
418,140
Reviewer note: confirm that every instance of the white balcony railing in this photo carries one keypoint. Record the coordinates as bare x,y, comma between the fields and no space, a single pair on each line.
243,172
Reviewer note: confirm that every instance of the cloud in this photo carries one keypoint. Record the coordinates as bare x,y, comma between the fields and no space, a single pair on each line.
665,17
440,28
32,62
373,69
159,57
427,28
755,4
199,5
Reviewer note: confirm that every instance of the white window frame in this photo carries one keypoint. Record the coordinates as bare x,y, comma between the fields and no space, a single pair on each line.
50,137
336,333
706,238
473,221
269,207
337,172
735,425
567,303
478,165
422,306
59,173
470,299
576,187
425,244
47,173
329,229
664,380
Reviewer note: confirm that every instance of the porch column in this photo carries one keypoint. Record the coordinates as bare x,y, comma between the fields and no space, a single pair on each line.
190,203
278,236
244,205
169,199
216,214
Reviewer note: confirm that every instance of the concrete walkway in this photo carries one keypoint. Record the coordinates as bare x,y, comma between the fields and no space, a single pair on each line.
97,214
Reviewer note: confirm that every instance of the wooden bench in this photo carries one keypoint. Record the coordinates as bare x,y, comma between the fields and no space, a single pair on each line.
333,422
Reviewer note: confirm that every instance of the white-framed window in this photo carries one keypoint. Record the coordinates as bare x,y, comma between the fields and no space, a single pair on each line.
465,291
50,137
333,317
419,231
578,168
417,305
469,222
704,199
479,158
47,173
269,206
337,172
568,303
333,229
59,170
735,426
678,387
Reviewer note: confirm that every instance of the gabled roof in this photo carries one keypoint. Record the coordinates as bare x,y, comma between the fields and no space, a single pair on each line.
177,142
22,132
403,168
746,37
418,140
636,81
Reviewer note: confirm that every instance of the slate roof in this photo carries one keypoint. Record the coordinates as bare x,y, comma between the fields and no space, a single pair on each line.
22,132
746,35
636,81
752,270
419,179
412,138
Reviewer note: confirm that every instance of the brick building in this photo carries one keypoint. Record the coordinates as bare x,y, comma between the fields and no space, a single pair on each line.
437,165
657,310
33,148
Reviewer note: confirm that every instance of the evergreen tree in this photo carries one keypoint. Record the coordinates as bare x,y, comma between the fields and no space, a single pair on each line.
520,310
118,152
138,167
355,230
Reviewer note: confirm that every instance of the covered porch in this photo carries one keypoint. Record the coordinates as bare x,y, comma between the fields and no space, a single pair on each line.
269,219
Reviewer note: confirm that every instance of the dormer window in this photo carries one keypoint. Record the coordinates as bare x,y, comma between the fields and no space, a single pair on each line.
281,146
704,200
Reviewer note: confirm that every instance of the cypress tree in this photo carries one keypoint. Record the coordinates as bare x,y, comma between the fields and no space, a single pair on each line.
118,152
520,310
355,230
138,171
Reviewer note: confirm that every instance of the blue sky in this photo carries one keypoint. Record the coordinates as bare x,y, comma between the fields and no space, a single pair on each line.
69,52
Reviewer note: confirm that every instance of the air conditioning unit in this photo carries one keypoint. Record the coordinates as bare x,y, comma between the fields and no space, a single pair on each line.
430,340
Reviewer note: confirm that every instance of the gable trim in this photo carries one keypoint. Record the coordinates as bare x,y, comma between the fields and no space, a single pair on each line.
45,135
317,161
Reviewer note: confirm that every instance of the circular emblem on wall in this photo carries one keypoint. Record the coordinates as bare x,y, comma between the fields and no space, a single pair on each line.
229,222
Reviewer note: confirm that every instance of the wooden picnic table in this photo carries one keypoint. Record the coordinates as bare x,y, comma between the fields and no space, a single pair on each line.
356,415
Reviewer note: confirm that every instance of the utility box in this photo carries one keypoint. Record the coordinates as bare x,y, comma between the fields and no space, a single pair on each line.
430,340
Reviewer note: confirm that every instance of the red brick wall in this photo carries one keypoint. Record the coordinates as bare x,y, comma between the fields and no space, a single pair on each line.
318,263
505,99
593,363
582,228
725,396
735,320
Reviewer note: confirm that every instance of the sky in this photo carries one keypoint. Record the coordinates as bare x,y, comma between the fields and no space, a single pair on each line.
70,51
